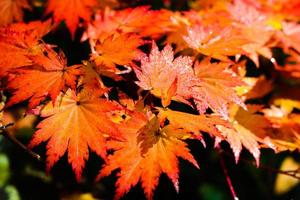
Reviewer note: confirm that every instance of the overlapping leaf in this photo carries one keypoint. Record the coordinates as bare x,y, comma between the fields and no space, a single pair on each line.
165,76
162,149
76,123
285,129
47,77
12,10
71,11
193,123
140,20
111,51
216,87
249,130
215,42
20,41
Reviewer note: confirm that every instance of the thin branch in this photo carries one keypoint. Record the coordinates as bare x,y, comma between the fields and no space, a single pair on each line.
291,173
14,140
228,179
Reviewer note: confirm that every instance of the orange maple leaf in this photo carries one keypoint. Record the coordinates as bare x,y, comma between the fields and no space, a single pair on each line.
215,42
162,147
284,134
216,87
139,20
209,84
18,42
257,46
289,9
71,11
75,124
47,77
111,51
91,80
12,10
178,27
290,36
193,123
248,126
256,87
252,21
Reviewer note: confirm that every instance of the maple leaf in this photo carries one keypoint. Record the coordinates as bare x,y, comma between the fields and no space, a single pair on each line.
252,21
103,23
12,10
111,51
208,4
287,99
216,87
284,133
142,20
283,184
257,46
291,68
247,127
71,11
215,42
290,35
179,26
75,124
91,80
255,87
20,41
112,4
163,75
285,130
193,123
209,84
246,13
47,77
139,20
289,9
162,149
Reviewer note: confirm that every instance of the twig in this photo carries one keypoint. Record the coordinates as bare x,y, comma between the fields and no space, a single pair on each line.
292,173
17,142
228,179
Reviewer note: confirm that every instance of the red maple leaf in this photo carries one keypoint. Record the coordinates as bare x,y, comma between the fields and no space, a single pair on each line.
71,11
20,41
12,10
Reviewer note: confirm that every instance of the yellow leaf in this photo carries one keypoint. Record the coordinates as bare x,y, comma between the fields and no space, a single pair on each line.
287,104
84,196
284,183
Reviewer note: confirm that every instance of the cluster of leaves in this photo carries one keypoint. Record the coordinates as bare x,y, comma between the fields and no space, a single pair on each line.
141,129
